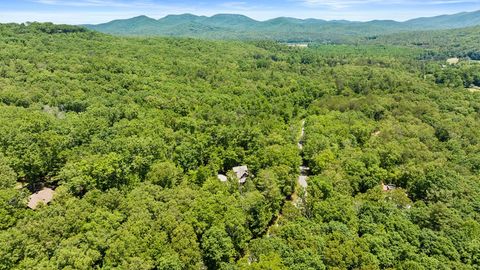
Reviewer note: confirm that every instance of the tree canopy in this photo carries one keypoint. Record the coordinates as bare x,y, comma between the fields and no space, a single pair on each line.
132,132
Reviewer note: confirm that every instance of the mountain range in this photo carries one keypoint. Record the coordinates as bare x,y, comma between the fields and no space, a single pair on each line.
234,26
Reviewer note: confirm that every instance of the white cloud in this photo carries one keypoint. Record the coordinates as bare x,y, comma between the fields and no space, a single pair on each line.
338,4
63,17
99,3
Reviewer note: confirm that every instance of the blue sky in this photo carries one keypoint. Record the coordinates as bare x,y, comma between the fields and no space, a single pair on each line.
97,11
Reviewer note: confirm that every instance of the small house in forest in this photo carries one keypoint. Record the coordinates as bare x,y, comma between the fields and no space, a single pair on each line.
298,45
388,187
222,178
453,61
45,196
242,173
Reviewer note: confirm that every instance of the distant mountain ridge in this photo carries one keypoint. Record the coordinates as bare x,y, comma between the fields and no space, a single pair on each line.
235,26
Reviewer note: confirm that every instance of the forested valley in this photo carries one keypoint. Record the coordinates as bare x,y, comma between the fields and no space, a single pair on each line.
132,133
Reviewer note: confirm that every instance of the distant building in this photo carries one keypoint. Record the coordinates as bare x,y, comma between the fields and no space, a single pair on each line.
298,45
45,196
222,178
242,173
474,89
453,61
388,187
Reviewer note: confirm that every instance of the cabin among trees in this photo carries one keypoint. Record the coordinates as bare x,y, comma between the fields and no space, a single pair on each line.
387,188
453,61
241,173
44,196
222,178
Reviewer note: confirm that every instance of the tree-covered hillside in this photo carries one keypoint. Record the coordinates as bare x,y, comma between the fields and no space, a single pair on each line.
233,26
131,134
461,42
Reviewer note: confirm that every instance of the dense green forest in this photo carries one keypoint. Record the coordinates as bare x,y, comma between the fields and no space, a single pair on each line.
132,132
235,26
461,42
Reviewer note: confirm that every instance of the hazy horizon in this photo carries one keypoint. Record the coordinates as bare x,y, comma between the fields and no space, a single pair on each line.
100,11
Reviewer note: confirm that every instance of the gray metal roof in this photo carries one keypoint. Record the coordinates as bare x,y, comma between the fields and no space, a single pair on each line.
242,173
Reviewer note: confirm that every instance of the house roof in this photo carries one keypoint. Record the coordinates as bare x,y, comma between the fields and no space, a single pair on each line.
45,196
222,178
242,173
453,61
388,187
